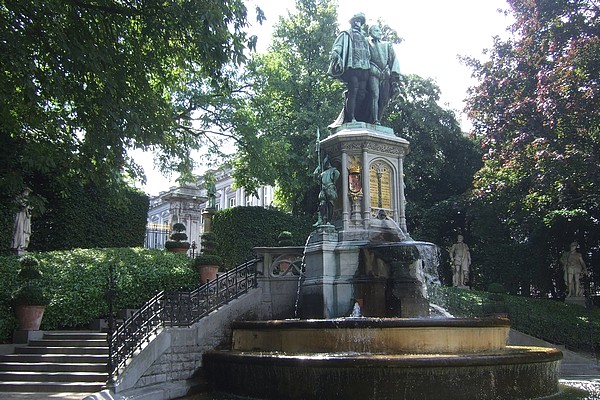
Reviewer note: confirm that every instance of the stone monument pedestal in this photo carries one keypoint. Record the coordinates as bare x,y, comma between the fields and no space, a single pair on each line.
579,300
370,209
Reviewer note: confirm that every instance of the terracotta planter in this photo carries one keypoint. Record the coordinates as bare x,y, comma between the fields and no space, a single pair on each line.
180,250
30,317
208,272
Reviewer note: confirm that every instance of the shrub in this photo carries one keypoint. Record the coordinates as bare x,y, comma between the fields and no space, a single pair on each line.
285,239
78,281
210,247
116,221
243,228
208,259
31,292
178,238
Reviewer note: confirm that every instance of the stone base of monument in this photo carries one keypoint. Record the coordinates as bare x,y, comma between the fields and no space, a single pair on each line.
578,300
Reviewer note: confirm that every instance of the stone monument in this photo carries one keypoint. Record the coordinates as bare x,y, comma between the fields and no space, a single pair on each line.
368,206
574,269
460,257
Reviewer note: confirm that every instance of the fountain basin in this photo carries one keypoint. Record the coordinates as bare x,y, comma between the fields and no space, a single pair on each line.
372,335
514,374
381,358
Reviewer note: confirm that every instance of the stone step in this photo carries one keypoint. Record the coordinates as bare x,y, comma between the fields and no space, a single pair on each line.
32,376
50,387
55,358
53,366
75,335
61,350
69,343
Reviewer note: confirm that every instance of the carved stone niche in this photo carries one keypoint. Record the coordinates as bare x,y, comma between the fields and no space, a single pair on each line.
371,189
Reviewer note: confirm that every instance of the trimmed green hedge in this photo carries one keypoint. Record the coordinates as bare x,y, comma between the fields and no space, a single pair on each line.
240,229
78,281
91,217
554,321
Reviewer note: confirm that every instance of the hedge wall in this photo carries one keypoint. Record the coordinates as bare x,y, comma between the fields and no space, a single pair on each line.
77,281
90,217
240,229
557,322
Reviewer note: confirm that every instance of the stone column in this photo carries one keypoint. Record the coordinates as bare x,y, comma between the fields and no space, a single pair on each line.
345,199
366,200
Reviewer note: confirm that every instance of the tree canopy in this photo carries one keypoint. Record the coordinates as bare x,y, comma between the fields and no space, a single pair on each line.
84,81
291,96
536,111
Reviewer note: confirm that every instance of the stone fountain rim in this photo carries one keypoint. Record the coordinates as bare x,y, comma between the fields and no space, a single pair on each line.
372,323
510,356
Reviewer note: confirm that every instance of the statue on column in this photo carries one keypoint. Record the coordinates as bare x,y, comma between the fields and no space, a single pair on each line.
574,268
22,224
460,257
328,175
210,183
350,62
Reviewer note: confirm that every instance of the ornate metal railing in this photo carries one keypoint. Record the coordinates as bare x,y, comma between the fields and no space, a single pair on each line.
180,308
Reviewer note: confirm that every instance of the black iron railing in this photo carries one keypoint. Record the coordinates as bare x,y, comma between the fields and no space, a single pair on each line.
180,308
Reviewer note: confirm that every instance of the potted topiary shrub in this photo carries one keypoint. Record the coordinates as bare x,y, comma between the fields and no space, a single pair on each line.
208,262
178,242
285,239
30,299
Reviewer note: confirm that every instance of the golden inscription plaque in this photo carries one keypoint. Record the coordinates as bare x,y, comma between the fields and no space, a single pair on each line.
380,186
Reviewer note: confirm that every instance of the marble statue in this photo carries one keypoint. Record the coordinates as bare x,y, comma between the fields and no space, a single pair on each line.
574,267
460,258
22,224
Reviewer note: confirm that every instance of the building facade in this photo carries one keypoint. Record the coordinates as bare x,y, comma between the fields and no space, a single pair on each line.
186,204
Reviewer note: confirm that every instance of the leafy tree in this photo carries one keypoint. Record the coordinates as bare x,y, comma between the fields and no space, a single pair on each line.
84,81
537,113
292,96
442,160
275,123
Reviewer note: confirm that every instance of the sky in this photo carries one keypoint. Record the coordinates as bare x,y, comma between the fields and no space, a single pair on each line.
435,33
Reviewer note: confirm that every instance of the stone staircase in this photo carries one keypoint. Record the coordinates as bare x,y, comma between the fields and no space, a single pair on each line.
61,361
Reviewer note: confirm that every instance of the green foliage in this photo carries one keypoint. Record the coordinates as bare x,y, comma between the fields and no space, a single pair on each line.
84,82
536,110
275,124
554,321
178,238
285,239
78,282
208,259
31,292
179,227
243,228
175,244
89,216
210,250
209,242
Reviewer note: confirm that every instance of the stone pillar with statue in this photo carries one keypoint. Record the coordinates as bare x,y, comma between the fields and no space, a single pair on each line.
362,203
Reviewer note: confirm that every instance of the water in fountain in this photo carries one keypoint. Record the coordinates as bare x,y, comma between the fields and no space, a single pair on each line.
373,354
300,279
